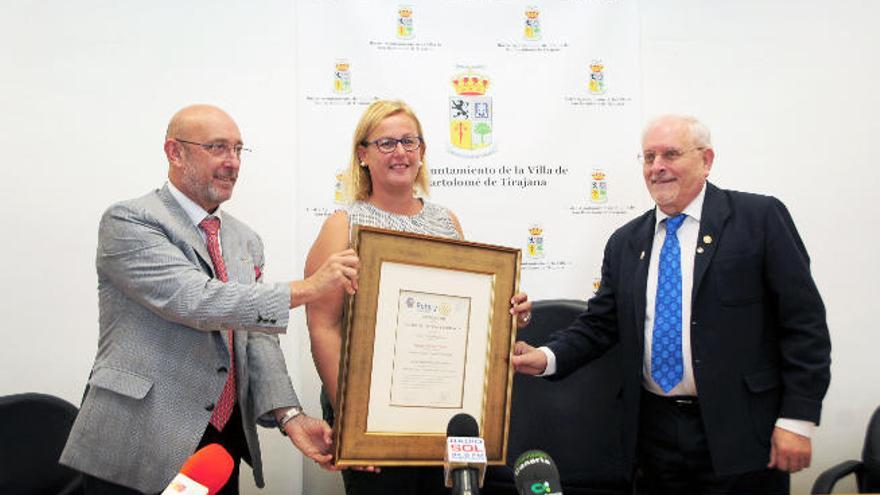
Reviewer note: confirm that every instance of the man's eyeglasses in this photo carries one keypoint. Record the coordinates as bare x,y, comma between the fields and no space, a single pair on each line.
218,149
388,145
670,155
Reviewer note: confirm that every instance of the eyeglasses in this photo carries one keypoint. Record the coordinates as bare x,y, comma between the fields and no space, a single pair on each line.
218,149
670,155
388,145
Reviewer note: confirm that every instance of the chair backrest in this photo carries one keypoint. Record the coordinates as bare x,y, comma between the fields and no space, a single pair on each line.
33,431
575,420
870,479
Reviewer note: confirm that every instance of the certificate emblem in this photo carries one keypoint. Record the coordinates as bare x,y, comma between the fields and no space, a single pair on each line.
470,116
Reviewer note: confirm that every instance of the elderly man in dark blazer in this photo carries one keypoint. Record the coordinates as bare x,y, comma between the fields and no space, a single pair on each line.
188,352
725,348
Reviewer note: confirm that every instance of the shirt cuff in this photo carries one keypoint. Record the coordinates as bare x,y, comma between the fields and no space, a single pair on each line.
551,361
802,427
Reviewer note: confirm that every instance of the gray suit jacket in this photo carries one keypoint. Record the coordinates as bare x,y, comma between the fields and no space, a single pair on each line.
162,354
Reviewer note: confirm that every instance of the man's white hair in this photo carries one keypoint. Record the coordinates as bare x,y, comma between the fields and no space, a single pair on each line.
698,132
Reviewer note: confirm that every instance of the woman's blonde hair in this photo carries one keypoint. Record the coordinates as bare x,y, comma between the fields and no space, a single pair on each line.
358,183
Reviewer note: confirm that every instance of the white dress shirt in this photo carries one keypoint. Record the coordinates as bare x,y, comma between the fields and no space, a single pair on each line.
195,212
687,238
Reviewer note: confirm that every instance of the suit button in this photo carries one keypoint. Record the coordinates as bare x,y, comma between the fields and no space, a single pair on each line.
209,407
694,323
222,369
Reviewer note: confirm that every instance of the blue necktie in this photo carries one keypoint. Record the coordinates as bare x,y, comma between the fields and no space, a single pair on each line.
667,365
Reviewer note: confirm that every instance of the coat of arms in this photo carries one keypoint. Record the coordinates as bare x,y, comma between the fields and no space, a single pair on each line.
470,116
598,187
597,78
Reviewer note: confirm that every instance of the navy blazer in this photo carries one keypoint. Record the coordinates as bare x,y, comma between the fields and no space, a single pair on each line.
759,339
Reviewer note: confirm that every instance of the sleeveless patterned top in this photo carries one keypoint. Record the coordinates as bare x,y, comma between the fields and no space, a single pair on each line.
432,220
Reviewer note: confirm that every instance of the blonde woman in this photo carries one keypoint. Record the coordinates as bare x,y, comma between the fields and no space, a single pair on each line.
387,183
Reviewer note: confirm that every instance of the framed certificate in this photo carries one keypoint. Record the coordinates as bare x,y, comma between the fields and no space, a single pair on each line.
428,335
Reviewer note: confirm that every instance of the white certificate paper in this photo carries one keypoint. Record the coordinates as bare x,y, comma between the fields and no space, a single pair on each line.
430,350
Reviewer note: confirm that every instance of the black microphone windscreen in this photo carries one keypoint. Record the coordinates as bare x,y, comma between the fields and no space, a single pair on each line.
462,425
535,472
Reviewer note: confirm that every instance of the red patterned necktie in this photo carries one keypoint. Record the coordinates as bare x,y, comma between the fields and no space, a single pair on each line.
223,409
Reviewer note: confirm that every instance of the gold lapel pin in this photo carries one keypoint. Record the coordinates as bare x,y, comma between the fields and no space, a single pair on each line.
642,256
707,239
699,249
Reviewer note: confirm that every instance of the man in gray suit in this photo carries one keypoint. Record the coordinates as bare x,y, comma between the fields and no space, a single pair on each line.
188,352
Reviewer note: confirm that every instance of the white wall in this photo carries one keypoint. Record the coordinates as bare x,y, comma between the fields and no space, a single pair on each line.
87,87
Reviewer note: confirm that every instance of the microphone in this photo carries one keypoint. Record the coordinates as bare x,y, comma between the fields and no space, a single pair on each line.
465,461
204,473
535,473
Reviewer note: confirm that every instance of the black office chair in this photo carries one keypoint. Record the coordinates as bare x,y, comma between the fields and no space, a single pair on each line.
866,471
575,420
33,431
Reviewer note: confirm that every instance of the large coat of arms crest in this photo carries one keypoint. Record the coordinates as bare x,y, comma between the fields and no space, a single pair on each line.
470,116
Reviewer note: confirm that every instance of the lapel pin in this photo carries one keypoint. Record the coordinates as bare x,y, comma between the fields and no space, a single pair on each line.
642,256
699,249
707,239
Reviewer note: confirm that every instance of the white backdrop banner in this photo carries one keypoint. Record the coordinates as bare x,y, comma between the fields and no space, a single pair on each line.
530,112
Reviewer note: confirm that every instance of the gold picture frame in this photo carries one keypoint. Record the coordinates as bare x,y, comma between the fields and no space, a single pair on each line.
428,335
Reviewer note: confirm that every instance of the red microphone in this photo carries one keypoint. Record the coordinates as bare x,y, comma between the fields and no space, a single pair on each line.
204,473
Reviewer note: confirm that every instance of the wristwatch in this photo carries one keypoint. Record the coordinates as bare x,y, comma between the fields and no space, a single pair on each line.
290,414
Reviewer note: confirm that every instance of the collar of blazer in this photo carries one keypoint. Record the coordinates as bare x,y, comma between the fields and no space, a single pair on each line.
716,211
239,265
640,250
187,231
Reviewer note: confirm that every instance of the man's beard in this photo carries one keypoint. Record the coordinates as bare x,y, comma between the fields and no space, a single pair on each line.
206,191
